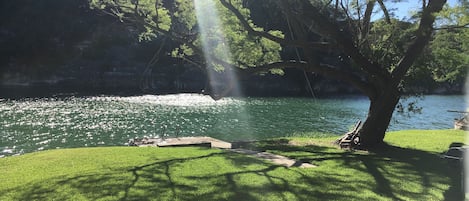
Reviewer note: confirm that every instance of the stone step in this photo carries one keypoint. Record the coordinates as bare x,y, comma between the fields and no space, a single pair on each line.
276,159
183,141
215,143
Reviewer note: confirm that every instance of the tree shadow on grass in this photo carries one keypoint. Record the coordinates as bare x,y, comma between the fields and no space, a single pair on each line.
421,174
392,173
429,167
158,180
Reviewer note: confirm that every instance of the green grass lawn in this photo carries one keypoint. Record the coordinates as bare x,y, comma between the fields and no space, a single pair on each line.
408,169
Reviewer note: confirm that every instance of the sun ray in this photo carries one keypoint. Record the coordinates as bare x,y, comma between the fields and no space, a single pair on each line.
216,48
222,78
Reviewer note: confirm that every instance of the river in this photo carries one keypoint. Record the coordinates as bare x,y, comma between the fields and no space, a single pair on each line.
35,124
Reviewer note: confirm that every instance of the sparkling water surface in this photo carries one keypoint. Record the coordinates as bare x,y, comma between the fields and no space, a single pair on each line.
29,125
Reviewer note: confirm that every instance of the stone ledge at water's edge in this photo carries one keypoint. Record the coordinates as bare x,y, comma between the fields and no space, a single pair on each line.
215,143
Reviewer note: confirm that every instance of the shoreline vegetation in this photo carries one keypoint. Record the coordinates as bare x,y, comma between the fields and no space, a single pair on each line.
409,168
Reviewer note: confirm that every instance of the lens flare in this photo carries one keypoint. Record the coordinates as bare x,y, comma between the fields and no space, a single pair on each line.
223,79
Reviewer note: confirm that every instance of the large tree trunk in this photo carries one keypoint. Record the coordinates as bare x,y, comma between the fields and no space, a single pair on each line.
379,116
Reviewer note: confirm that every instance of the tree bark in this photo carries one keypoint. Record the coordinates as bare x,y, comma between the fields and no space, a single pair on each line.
379,116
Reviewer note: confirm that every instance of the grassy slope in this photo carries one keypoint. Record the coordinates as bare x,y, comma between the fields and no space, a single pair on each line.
411,171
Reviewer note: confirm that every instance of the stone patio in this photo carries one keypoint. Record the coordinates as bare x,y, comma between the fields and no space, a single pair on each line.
215,143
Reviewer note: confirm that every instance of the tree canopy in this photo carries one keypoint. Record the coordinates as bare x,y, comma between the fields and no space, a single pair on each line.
178,22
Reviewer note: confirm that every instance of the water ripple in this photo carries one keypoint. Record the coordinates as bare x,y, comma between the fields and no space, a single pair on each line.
38,124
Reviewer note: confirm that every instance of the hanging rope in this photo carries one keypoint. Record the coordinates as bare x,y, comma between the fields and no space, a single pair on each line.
146,81
298,57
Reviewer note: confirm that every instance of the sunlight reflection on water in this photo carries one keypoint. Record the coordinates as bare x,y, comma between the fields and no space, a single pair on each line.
182,100
38,124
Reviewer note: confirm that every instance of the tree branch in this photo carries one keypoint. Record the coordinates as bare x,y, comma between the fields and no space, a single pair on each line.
343,39
464,26
323,69
385,11
423,36
283,41
367,18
